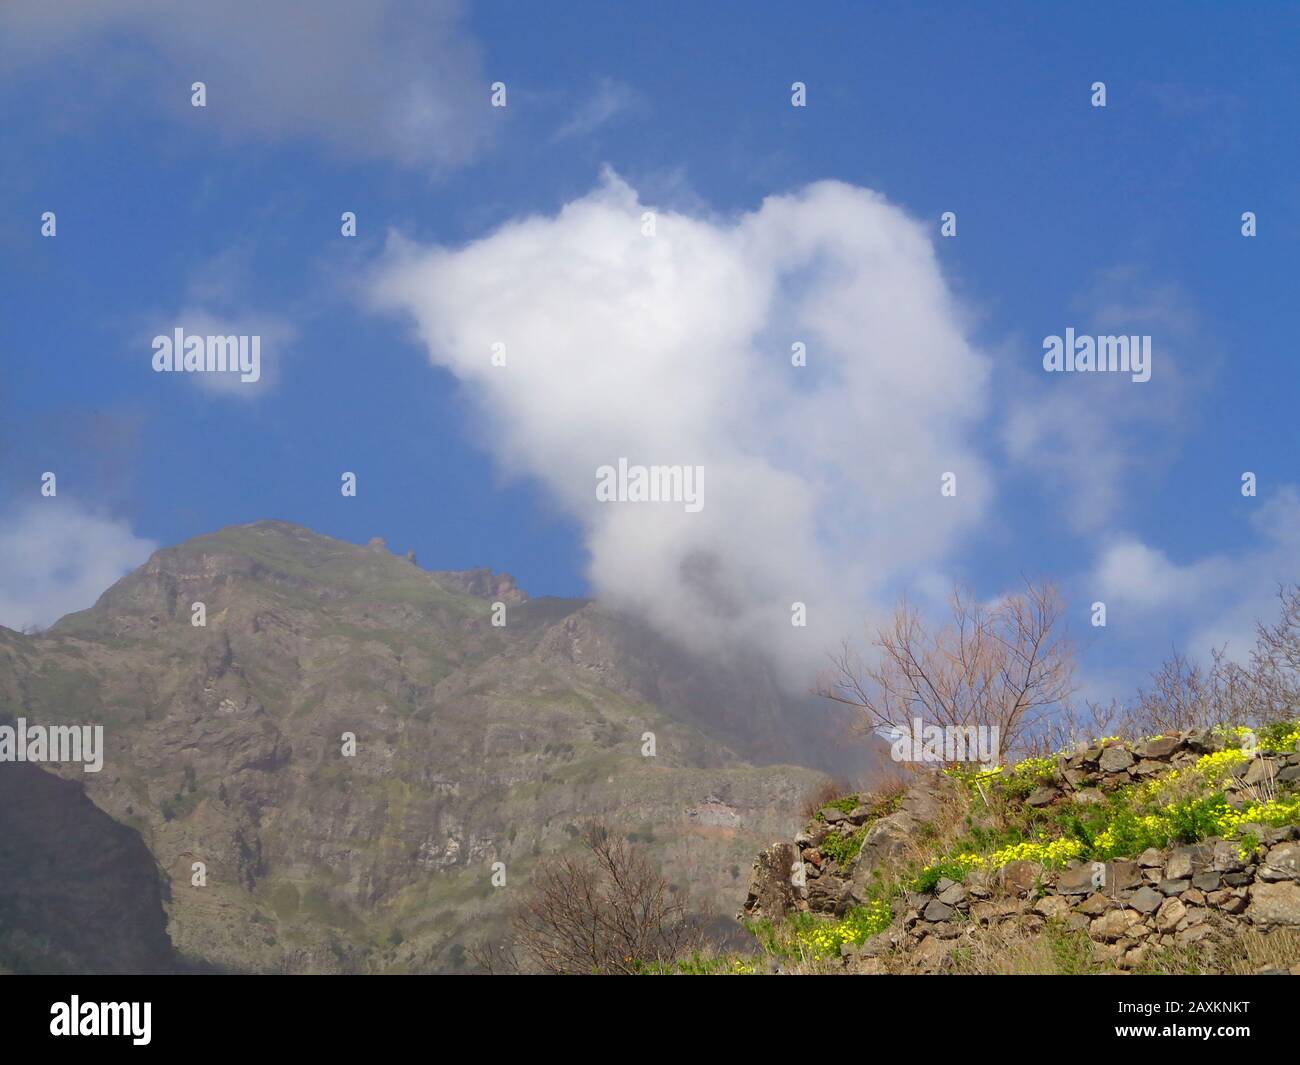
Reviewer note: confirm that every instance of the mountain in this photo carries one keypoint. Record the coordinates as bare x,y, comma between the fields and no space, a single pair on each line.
474,744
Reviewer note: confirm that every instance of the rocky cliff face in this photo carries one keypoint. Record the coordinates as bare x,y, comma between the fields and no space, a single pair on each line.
474,744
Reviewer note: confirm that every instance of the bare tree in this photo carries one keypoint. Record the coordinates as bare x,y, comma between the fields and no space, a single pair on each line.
1275,661
1075,724
1184,695
606,911
1007,665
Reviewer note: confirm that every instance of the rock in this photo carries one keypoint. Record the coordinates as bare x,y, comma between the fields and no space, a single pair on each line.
953,895
1173,887
931,953
1160,747
1289,775
826,894
1150,858
1082,879
832,816
860,814
891,836
1092,876
1107,953
776,882
1095,905
1088,797
1113,925
1185,862
1052,906
1135,956
1147,768
1282,863
938,911
1193,897
1170,913
1043,795
1194,934
1273,904
879,945
1115,760
943,884
1234,904
1145,900
1018,878
1075,777
1122,875
1207,881
1260,771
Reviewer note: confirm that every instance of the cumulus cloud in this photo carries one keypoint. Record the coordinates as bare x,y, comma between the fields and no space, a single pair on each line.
60,557
1215,600
393,79
822,482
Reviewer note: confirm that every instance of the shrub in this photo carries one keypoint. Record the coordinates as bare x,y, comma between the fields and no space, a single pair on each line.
843,849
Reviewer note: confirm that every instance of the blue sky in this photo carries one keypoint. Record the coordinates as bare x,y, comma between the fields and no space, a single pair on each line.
1068,215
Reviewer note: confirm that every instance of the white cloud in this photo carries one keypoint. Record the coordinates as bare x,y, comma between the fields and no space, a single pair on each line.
60,557
1211,601
822,482
274,333
395,79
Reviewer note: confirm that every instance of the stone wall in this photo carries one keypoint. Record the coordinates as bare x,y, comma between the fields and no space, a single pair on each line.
1180,896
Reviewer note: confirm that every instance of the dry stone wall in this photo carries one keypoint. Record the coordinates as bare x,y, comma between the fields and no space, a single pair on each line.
1177,897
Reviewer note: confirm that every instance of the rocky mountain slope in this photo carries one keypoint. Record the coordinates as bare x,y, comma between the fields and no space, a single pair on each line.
474,745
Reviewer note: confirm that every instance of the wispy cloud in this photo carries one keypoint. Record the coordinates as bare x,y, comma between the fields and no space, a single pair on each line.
602,104
1086,435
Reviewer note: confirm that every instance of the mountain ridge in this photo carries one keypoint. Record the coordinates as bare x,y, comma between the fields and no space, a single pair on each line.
475,744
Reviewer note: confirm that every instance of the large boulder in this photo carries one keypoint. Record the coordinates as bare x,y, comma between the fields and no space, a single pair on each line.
777,883
1115,760
894,834
1282,863
1274,904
